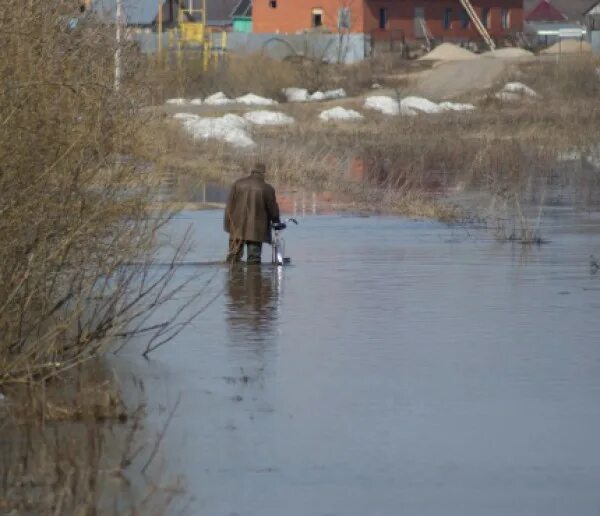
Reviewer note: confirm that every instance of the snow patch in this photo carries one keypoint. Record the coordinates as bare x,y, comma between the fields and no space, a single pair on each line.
302,95
383,104
340,113
177,102
340,93
196,102
296,94
268,118
520,88
328,95
420,104
185,116
228,128
411,106
506,96
255,100
218,99
456,106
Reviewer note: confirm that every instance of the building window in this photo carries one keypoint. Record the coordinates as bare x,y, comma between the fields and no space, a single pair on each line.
383,18
273,4
505,17
464,19
317,17
448,18
485,18
345,18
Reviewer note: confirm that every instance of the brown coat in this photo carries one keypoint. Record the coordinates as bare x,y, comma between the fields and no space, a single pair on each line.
250,209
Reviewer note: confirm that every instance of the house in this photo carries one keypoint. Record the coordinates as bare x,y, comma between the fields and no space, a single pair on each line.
441,19
545,12
242,16
573,10
592,16
551,20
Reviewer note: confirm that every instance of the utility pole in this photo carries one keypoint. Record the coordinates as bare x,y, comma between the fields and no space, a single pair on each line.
118,56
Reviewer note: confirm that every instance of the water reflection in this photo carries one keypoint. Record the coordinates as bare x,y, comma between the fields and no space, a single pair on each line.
252,302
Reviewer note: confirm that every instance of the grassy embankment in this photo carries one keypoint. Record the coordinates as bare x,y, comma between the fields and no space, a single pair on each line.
511,152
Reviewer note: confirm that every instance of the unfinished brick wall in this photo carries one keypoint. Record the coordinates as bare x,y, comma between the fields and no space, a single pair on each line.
401,17
292,16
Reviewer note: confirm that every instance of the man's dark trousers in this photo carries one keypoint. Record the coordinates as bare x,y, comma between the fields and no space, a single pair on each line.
236,250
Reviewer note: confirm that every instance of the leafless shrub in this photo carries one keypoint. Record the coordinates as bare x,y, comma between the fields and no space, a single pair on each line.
76,264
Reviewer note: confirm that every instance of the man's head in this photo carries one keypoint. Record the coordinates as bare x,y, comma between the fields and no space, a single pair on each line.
259,169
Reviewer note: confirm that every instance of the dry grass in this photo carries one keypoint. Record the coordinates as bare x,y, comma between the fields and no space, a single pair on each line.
514,152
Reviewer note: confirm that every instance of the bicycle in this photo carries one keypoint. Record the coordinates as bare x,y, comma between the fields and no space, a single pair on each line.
278,256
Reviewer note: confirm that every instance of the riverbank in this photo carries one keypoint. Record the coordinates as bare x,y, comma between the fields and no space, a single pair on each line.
507,144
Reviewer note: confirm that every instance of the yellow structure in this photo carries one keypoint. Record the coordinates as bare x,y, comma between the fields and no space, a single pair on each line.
193,32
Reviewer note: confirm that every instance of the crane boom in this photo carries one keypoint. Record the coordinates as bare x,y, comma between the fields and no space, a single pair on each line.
478,24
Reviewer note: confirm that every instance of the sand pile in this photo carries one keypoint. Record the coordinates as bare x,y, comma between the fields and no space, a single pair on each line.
449,52
568,46
508,53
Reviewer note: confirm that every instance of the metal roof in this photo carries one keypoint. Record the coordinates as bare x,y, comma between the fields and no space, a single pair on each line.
243,8
144,12
137,12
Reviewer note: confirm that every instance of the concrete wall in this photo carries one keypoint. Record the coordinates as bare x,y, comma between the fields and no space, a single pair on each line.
595,41
350,48
332,48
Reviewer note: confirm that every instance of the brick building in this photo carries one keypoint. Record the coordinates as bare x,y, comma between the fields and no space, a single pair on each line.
442,19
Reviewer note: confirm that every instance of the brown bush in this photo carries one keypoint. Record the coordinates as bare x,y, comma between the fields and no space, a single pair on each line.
73,200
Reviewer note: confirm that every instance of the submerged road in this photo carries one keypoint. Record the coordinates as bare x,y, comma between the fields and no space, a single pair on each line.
398,367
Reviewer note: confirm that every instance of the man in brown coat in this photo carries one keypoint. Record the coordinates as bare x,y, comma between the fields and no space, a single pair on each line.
250,210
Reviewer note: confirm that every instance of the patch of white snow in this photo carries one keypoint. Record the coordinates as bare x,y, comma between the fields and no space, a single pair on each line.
296,94
177,102
340,113
420,104
218,99
185,116
196,102
268,118
228,128
506,96
340,93
456,106
255,100
519,87
383,104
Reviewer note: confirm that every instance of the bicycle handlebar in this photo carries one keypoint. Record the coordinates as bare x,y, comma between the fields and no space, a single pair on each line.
279,226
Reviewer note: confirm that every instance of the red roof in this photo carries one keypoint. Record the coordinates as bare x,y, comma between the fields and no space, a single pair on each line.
544,11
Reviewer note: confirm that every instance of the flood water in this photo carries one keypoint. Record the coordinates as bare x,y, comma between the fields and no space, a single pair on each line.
397,367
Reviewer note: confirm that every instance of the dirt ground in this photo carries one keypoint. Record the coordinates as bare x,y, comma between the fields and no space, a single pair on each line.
456,78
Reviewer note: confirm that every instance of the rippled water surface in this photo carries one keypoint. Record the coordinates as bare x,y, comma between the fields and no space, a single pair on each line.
397,367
